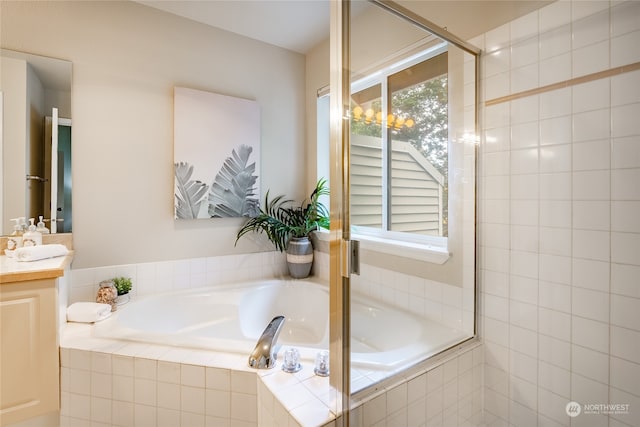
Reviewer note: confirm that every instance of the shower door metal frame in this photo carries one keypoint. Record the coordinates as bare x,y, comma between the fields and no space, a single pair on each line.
425,24
340,226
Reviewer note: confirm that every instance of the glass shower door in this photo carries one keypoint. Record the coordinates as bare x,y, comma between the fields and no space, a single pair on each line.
411,178
403,123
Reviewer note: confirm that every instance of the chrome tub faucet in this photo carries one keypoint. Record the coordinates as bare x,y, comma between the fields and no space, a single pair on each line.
263,355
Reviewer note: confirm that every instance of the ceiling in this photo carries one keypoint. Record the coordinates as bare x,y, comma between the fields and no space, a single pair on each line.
299,25
54,73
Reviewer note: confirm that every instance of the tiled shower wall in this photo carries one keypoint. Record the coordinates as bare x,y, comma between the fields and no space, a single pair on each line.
559,220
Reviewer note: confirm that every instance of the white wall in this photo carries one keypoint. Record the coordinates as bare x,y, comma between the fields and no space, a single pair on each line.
560,217
126,60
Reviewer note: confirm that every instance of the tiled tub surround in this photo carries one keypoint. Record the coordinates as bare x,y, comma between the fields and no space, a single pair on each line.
115,383
445,304
118,383
164,276
559,215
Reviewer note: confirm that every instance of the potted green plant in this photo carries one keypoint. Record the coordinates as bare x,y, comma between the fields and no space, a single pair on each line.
288,226
123,286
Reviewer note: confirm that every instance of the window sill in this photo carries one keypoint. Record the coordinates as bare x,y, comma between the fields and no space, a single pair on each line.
417,251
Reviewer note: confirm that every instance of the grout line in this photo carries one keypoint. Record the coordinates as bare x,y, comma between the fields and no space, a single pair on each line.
611,169
567,83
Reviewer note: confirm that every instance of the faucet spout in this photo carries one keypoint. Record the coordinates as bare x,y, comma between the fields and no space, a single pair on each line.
263,355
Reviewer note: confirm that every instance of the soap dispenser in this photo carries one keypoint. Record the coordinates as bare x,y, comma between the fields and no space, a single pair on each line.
32,237
41,227
15,239
23,224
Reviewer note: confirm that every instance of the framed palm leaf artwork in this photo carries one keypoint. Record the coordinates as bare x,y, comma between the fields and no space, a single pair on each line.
216,155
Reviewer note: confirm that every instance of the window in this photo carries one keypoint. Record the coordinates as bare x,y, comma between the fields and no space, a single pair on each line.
399,152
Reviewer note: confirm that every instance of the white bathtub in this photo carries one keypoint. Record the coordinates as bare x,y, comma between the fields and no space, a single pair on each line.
232,318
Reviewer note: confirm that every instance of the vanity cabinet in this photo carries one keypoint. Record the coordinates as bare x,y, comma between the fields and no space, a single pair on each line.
31,294
29,360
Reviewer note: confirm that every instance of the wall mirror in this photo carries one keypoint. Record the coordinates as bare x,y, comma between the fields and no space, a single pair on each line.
36,140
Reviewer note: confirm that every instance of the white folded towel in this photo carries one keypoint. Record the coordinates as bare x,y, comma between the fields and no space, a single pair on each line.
88,312
35,253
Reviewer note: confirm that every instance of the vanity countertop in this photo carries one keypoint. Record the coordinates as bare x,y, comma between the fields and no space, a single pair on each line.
12,271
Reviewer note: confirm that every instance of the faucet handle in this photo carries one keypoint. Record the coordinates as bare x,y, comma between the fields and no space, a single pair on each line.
291,363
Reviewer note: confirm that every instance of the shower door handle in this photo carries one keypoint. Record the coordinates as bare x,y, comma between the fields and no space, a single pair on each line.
350,257
36,178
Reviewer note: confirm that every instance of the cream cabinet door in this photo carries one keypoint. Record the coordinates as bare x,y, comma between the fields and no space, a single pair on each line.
29,357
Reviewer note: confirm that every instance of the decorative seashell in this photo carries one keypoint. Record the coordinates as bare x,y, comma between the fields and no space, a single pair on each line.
107,294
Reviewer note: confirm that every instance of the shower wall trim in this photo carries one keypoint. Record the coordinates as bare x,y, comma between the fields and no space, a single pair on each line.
566,83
